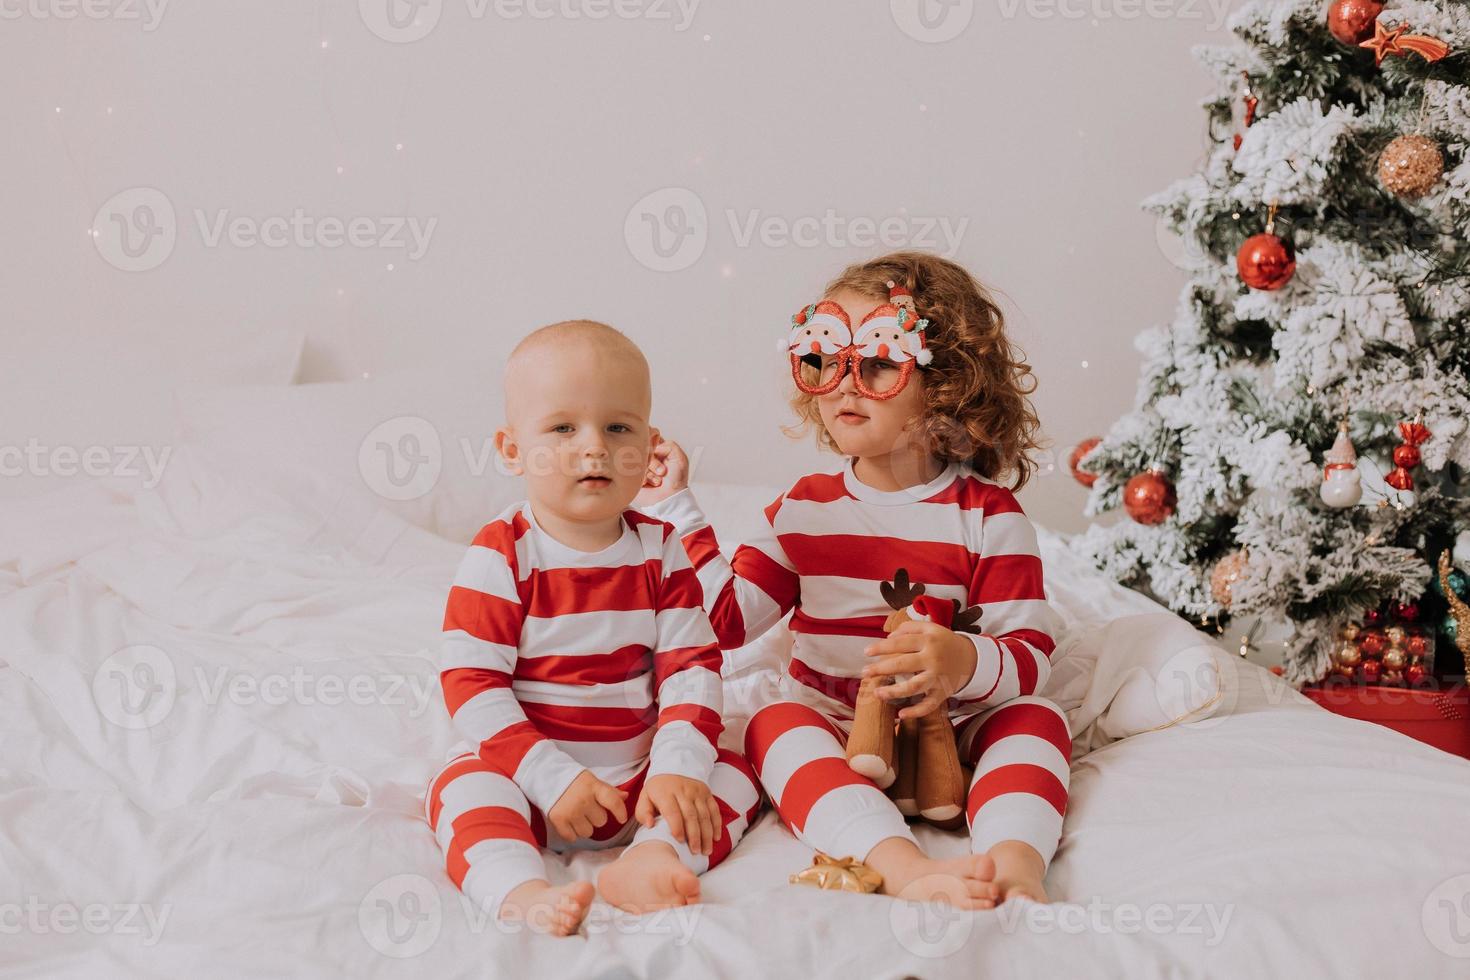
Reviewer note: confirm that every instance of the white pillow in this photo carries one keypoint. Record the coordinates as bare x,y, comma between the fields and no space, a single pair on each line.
1137,674
419,443
100,403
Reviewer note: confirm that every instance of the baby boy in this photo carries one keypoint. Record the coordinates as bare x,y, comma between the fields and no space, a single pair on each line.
577,663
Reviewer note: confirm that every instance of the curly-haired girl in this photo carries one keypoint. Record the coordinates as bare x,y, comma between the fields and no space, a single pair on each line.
905,368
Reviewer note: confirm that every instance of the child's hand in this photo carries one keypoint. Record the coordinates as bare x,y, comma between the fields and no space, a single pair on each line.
668,473
940,660
585,805
688,806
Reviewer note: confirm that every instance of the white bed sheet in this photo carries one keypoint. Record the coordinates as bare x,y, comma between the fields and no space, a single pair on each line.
267,822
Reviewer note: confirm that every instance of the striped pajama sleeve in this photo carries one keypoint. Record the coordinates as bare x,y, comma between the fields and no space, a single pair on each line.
482,625
686,668
745,596
1013,654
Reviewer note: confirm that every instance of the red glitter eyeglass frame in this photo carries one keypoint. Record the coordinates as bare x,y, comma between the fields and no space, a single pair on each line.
890,332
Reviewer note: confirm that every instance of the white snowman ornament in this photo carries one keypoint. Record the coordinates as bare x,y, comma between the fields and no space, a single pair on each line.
1342,484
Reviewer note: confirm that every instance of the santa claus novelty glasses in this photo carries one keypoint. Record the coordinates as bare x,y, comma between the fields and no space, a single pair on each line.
881,355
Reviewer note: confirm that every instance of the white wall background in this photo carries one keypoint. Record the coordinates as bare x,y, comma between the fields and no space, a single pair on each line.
527,141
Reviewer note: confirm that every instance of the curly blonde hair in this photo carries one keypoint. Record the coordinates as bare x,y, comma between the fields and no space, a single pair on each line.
977,406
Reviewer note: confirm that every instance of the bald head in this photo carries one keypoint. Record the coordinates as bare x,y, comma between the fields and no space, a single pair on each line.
572,354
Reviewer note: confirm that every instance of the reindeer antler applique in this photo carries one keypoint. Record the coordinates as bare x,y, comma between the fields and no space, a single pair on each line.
900,594
965,620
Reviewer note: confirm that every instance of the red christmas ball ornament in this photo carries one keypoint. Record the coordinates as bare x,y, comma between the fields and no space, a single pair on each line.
1415,673
1371,642
1372,617
1083,448
1406,612
1406,456
1351,21
1371,671
1149,498
1416,644
1266,262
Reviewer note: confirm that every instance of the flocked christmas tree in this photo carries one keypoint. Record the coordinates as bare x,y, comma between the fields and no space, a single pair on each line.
1299,449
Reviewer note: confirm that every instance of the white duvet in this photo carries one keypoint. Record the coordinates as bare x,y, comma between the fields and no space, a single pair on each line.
219,709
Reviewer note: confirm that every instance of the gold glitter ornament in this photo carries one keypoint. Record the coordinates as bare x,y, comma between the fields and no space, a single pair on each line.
1226,573
1411,165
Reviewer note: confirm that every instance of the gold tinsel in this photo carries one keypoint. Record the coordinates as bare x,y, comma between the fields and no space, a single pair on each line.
1411,165
1458,609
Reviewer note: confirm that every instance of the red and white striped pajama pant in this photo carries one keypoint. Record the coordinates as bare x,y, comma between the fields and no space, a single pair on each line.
491,834
1019,751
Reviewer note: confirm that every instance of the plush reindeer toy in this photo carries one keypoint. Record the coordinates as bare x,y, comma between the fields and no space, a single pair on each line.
916,759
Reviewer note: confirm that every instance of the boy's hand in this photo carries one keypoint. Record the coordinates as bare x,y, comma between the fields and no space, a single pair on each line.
585,805
688,806
940,661
668,473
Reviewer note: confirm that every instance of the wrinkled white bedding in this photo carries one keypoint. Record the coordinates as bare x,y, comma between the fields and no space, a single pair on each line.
218,712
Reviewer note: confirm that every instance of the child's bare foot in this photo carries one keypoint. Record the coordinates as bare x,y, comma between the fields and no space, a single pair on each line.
647,877
908,873
555,910
1019,871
